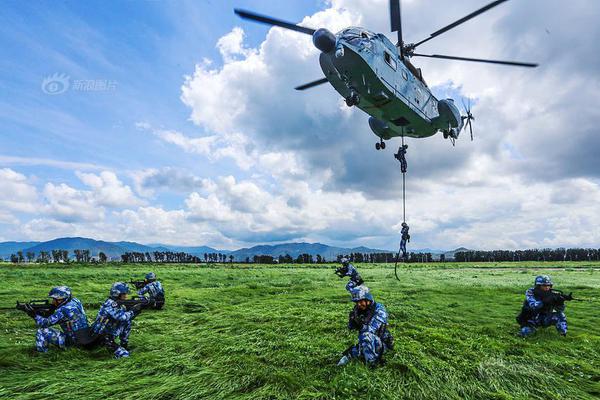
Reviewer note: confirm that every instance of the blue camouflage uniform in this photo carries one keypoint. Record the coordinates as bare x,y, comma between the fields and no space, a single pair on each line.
112,322
155,291
537,314
405,237
373,336
355,278
70,316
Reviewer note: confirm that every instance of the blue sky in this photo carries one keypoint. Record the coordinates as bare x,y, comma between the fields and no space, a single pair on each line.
194,135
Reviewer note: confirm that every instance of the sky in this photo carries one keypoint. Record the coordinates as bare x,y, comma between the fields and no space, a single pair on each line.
176,122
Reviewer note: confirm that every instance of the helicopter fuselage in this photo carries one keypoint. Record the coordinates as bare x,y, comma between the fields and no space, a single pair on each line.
366,68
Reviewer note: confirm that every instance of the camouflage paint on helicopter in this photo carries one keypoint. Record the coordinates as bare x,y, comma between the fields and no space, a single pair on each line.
375,75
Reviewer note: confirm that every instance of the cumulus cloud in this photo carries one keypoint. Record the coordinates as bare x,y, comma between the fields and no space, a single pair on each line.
67,204
108,190
17,193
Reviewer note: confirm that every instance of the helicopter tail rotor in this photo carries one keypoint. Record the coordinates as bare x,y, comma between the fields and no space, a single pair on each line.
469,117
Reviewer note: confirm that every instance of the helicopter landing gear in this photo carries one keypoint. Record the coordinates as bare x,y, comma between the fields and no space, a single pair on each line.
353,99
380,145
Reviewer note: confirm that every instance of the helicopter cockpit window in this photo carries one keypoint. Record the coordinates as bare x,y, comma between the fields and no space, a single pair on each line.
357,37
389,59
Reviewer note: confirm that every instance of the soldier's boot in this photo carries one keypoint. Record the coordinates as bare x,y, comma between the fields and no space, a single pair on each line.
343,361
388,340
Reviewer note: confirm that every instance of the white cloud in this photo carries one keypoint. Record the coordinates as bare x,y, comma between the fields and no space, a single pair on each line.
17,194
108,190
67,204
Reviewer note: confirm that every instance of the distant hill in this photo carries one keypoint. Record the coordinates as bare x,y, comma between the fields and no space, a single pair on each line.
8,248
115,249
295,249
75,243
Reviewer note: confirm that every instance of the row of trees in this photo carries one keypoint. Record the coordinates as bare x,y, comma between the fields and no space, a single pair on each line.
160,256
561,254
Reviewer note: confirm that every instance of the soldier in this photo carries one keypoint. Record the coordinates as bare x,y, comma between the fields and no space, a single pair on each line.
405,238
401,156
348,269
370,320
154,289
543,307
69,314
114,321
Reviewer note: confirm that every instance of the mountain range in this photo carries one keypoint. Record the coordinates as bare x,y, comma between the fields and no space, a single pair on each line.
115,249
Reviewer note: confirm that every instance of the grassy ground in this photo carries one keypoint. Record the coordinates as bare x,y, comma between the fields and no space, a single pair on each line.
276,333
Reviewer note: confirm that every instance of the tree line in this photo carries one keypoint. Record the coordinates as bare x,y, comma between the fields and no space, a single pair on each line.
560,254
84,256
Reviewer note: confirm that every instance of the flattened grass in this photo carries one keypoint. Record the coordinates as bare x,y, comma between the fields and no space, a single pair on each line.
265,332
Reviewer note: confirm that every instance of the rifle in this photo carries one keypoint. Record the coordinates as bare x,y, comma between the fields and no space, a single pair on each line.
135,300
43,308
138,284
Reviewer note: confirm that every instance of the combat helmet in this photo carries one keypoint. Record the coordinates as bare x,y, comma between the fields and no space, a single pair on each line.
60,292
361,292
117,289
543,280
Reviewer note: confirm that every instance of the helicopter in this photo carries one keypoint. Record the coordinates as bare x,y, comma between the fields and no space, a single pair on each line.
375,75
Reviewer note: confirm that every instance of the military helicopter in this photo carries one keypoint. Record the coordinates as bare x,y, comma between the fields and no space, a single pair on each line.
375,75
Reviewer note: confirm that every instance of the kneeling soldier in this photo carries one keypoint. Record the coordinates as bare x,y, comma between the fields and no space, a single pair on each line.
543,307
370,320
68,314
114,321
156,293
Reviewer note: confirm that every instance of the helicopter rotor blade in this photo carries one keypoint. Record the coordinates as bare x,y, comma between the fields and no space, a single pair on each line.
311,84
460,21
272,21
396,21
513,63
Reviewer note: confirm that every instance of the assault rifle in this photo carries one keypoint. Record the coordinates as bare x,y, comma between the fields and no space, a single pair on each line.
134,301
43,308
138,284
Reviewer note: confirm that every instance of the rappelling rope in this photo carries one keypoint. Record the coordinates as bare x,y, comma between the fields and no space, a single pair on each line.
403,211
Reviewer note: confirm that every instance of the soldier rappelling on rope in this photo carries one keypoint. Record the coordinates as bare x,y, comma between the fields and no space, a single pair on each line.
404,239
401,156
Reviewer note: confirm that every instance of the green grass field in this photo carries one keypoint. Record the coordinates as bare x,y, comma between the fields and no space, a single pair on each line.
276,332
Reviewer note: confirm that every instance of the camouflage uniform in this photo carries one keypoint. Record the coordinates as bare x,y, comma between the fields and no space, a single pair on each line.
350,271
404,238
539,313
113,321
155,292
71,317
373,336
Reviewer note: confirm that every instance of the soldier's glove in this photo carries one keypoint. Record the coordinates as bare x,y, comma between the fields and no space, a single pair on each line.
29,310
341,271
568,297
136,309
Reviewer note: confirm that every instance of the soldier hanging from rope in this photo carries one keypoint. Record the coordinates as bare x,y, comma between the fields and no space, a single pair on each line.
405,238
401,156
